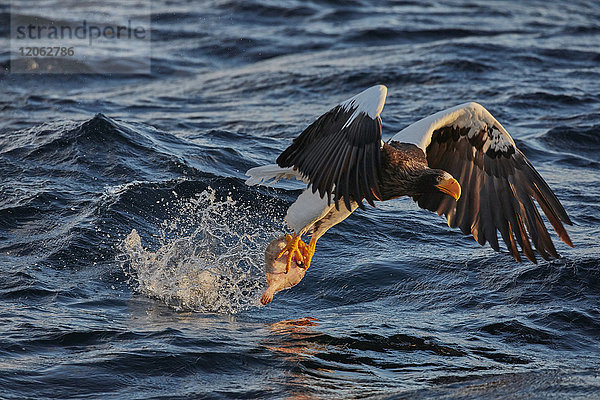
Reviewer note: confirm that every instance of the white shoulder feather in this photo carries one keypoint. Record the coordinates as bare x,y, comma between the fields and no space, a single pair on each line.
468,115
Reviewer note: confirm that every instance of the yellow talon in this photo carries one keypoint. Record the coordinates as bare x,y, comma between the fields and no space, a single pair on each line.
292,247
309,252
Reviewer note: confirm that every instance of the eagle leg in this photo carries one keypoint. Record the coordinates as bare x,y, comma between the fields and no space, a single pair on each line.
293,242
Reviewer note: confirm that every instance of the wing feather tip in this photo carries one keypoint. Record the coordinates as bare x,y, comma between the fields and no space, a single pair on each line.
567,240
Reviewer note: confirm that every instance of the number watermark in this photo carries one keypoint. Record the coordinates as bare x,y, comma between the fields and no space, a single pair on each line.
46,51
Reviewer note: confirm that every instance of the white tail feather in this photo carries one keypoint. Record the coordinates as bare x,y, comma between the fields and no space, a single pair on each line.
272,172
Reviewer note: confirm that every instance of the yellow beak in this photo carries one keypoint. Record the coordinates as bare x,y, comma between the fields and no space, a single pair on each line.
450,187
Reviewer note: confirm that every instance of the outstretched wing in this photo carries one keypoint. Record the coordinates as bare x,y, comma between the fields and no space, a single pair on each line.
498,182
339,153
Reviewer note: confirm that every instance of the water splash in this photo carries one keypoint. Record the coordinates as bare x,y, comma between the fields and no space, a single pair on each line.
209,259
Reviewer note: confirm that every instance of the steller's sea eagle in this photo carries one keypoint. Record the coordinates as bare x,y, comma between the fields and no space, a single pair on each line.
343,159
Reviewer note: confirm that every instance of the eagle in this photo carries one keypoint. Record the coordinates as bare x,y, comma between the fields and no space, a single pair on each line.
460,163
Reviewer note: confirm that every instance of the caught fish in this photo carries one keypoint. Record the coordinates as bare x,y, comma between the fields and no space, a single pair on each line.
275,267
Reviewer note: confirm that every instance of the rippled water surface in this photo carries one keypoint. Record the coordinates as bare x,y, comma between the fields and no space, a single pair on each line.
131,251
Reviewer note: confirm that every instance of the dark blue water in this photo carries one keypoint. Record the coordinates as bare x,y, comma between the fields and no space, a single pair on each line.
131,250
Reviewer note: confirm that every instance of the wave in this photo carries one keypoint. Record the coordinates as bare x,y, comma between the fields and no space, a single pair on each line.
105,178
261,10
97,147
381,35
578,139
537,98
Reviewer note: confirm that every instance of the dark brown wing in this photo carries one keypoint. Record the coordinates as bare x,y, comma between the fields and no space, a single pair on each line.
498,182
340,152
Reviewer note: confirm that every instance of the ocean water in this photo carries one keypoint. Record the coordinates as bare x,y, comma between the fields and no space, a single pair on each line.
131,252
